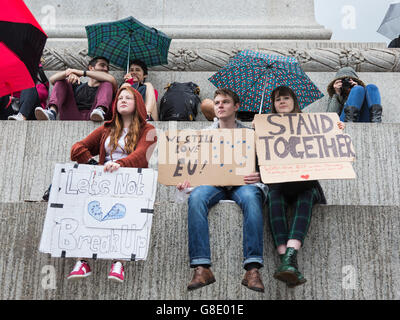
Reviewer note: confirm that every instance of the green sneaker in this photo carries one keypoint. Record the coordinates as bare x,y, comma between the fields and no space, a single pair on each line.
288,270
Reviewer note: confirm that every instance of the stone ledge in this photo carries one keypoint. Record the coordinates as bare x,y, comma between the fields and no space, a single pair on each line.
37,145
211,55
343,241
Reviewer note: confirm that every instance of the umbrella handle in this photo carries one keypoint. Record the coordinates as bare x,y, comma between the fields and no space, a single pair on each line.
262,97
129,53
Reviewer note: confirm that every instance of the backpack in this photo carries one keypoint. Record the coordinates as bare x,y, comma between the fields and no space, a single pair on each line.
180,102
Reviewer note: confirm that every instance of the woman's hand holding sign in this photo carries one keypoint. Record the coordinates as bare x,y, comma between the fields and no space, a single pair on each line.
111,166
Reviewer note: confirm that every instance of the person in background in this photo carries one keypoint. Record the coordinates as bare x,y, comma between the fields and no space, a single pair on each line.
352,100
21,105
395,43
73,100
136,77
127,140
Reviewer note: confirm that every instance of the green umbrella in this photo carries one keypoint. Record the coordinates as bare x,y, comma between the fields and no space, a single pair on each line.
125,40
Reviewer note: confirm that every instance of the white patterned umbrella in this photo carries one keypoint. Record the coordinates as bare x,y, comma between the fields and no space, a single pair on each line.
390,26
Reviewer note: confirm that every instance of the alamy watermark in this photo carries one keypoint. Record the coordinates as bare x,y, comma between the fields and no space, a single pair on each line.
349,21
50,277
48,20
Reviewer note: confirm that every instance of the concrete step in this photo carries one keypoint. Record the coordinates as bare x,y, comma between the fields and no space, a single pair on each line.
387,83
350,253
30,150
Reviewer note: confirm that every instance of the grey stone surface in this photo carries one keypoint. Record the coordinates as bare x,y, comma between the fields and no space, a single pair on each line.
202,19
211,55
350,253
42,144
12,150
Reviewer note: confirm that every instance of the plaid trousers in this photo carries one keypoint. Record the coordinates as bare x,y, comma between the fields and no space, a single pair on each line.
278,203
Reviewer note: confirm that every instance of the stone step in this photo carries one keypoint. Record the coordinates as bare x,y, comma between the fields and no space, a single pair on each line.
350,253
386,82
30,150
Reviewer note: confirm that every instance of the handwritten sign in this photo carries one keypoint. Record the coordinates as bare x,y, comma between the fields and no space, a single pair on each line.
92,213
302,146
301,138
213,157
307,172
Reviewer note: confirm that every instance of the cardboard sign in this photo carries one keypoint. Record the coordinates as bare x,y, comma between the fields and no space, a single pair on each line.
96,214
301,138
220,157
302,146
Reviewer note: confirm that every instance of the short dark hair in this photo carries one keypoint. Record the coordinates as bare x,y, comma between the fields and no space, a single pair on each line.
141,64
227,92
94,61
284,91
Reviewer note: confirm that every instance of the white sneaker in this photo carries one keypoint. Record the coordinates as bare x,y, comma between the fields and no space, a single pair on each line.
117,272
44,114
97,115
17,117
81,270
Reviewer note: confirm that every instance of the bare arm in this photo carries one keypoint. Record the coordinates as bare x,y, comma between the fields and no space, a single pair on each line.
101,76
96,75
151,104
58,76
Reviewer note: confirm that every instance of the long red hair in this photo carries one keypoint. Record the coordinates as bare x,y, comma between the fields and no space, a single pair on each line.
134,130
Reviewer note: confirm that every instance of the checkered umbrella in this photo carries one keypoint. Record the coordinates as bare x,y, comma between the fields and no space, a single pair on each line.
127,39
253,76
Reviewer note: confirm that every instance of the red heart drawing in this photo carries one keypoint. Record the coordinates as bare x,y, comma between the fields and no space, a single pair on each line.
305,176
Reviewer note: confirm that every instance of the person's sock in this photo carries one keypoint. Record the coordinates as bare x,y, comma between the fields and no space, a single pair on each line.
201,265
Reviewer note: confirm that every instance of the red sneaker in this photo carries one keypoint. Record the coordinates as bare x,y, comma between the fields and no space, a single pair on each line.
117,272
81,270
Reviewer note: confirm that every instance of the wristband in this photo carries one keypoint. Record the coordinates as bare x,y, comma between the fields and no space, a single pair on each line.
84,73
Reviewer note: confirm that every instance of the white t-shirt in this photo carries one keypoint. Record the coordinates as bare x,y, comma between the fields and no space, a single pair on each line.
119,153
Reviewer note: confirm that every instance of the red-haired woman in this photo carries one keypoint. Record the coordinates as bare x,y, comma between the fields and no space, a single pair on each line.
125,141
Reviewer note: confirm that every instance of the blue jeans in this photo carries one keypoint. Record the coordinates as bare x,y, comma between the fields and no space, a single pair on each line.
362,98
250,200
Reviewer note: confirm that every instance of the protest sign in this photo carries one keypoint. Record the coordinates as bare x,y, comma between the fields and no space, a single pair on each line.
97,214
302,146
220,157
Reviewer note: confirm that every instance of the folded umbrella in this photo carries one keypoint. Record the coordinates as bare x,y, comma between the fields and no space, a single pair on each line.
253,76
390,26
127,39
21,46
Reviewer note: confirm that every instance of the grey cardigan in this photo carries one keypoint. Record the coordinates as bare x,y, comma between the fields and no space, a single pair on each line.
336,104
